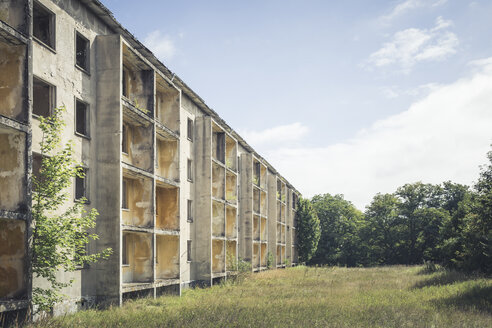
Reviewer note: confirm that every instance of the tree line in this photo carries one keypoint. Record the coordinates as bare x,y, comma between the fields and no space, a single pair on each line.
448,223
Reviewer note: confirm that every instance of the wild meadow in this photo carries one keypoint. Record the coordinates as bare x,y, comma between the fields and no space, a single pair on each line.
389,296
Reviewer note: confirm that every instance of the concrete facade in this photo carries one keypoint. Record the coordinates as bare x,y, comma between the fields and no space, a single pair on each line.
181,196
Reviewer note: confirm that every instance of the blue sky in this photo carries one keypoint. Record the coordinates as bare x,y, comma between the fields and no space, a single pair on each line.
351,97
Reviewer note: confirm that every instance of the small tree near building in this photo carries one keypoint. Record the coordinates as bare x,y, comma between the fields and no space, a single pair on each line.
308,230
60,235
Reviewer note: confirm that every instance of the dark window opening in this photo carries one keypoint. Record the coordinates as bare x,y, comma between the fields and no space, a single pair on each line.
221,147
125,82
124,139
190,170
190,210
124,196
43,98
81,185
37,161
188,250
43,25
125,250
190,129
81,118
81,52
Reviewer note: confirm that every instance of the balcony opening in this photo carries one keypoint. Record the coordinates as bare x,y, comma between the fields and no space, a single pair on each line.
231,255
168,159
231,225
231,187
218,144
139,258
256,227
137,82
218,256
137,144
137,201
12,259
231,153
12,86
167,105
256,256
167,257
218,181
167,208
218,219
12,170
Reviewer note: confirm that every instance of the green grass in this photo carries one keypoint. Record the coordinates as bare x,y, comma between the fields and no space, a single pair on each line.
395,296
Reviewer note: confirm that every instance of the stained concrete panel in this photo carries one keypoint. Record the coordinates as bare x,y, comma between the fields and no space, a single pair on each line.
218,219
139,199
167,257
12,257
168,159
139,252
12,68
218,256
167,208
12,170
231,225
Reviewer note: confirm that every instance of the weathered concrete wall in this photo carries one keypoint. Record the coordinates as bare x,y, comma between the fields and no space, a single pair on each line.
167,262
264,252
12,259
12,170
256,255
188,110
12,79
167,206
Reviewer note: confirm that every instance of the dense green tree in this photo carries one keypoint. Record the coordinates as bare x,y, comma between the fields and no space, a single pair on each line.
60,234
308,229
339,242
381,232
475,240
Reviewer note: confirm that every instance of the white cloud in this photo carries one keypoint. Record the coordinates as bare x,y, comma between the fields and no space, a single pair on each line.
392,92
161,45
443,136
279,136
414,45
408,5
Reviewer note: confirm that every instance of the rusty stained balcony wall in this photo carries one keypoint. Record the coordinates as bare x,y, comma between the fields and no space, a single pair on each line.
139,255
12,259
139,201
12,84
12,170
167,207
167,259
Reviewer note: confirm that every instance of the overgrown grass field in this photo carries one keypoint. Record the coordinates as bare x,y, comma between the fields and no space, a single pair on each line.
392,296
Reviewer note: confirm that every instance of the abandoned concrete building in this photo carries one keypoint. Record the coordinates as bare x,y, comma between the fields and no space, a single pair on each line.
180,194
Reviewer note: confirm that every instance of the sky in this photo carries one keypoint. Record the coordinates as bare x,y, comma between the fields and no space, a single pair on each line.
341,97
